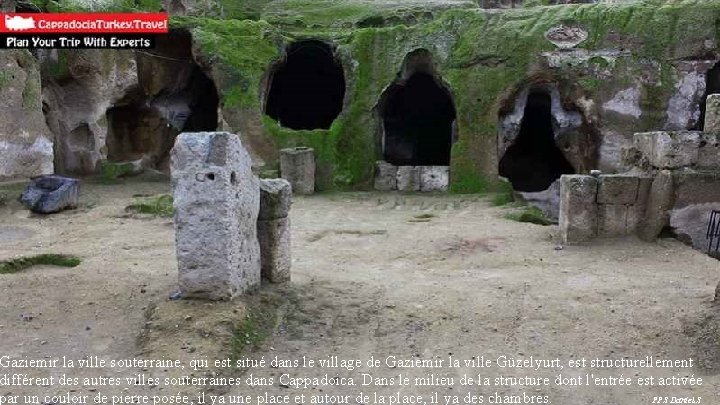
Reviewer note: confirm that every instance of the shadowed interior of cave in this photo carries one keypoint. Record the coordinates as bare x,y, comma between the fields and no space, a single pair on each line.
533,162
418,121
308,88
712,86
174,95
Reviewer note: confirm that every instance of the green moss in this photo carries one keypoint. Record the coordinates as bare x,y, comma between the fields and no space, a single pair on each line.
23,263
484,56
258,325
240,52
531,215
111,172
161,205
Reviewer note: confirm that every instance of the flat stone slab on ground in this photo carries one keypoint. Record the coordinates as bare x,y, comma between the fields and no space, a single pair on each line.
51,193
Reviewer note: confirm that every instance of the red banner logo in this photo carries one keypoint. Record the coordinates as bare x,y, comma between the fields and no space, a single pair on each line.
84,23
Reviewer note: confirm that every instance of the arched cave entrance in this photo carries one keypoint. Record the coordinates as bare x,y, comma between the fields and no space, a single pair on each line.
418,116
533,161
307,89
174,95
712,86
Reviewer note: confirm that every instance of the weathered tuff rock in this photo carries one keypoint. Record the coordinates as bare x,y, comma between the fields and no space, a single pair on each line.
547,201
669,150
26,143
95,80
385,176
50,194
297,165
578,211
217,201
691,224
275,198
274,237
434,178
408,178
712,114
274,229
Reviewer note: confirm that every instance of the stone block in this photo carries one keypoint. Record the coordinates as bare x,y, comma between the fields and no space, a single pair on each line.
217,201
712,114
695,187
275,198
709,151
660,200
49,194
274,237
434,178
385,176
617,189
668,150
612,220
297,165
408,178
578,210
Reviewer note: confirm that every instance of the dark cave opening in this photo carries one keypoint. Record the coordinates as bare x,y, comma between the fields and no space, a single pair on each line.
418,118
306,91
533,162
712,86
174,95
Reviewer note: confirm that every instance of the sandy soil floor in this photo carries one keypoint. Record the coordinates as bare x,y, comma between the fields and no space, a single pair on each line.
368,279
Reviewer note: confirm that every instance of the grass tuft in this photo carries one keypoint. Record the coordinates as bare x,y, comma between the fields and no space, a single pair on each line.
22,263
160,205
257,326
531,215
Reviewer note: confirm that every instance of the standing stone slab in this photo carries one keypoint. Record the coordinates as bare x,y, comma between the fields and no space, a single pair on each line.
275,198
217,200
274,229
49,194
408,178
660,200
297,165
712,114
434,178
274,237
385,176
578,210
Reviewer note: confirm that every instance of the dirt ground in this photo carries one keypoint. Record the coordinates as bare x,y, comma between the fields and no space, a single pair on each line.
373,274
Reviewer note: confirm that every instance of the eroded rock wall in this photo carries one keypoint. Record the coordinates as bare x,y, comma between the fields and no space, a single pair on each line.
26,143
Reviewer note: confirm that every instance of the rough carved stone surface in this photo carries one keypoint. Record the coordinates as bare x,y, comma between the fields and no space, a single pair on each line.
712,114
274,237
275,198
669,150
548,201
49,194
408,178
217,201
273,229
434,178
612,220
563,36
385,176
659,201
26,143
578,211
297,165
617,189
